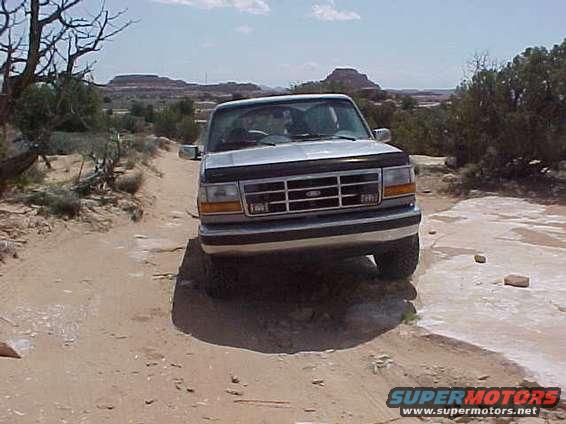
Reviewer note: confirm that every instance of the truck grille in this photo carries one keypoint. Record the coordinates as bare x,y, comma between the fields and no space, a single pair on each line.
315,192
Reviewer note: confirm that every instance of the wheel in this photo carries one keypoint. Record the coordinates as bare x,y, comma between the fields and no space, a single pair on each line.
220,277
401,262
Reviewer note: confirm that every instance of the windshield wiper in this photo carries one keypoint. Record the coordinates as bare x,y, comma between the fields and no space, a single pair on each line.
314,136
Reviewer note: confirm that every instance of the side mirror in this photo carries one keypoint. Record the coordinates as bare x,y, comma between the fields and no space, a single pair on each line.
383,135
188,152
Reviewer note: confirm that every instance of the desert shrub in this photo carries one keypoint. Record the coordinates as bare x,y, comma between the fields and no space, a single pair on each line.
146,145
166,124
187,130
163,143
130,163
471,174
31,176
130,183
133,209
515,113
177,122
66,143
58,202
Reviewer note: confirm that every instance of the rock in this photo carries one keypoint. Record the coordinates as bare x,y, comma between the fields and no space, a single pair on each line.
380,362
451,162
8,248
234,379
234,392
135,211
432,232
528,382
177,214
150,401
449,178
426,190
89,204
7,351
105,404
318,382
429,164
516,281
483,377
480,259
303,314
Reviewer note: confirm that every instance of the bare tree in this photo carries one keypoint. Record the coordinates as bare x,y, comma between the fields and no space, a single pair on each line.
47,41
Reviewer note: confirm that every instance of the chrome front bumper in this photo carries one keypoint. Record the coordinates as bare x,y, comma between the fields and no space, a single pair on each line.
362,231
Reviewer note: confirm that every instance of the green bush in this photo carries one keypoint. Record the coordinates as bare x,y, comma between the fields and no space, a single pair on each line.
187,130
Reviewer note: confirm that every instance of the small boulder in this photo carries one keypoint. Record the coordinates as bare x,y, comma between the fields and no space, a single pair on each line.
480,259
8,248
529,382
451,162
516,281
449,178
7,351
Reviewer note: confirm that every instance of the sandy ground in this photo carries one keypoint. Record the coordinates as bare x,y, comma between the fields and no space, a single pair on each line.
108,337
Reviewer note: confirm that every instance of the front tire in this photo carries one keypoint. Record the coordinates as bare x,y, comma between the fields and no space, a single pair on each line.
400,263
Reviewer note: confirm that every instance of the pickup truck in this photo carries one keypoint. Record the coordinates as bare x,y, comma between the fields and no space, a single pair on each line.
302,176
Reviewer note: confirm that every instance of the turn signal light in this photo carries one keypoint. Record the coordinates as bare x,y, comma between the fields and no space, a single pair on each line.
220,207
399,190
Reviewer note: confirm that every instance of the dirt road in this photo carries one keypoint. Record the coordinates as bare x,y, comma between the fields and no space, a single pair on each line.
107,337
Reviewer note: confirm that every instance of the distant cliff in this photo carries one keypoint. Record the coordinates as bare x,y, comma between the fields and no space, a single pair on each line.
156,83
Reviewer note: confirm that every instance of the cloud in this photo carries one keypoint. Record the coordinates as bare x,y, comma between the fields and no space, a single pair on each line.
326,11
255,7
244,29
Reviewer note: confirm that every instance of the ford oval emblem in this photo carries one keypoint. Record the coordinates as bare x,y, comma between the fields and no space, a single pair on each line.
313,193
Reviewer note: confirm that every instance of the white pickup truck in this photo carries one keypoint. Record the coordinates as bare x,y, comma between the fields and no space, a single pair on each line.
302,176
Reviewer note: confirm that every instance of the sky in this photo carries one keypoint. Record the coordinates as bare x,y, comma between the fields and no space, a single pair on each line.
397,43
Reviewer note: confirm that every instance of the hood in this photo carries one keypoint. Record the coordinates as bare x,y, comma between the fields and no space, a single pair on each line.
299,158
298,151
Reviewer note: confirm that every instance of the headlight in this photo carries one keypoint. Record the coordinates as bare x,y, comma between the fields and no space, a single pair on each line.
219,198
399,181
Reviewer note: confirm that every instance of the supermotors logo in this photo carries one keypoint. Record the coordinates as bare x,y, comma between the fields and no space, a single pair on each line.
473,401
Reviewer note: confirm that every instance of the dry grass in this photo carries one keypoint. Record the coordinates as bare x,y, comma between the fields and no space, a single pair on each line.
130,183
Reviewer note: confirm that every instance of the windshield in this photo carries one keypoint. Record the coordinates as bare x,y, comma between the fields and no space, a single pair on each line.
277,123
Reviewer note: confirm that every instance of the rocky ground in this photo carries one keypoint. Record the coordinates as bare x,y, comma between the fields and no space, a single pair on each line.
109,334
